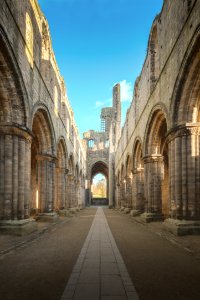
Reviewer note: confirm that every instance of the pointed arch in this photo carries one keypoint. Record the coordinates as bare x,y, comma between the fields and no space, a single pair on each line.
43,125
185,103
14,106
156,129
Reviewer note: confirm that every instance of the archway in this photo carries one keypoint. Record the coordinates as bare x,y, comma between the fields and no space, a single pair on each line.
184,139
60,201
122,186
128,183
42,164
138,178
99,184
156,167
15,139
71,181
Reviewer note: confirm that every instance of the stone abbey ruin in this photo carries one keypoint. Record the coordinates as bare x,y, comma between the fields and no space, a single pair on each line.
151,164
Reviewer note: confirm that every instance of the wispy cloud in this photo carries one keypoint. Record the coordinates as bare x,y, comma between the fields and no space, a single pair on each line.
126,91
99,103
107,102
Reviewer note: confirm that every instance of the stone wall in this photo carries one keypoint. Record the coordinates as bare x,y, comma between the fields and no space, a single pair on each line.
163,122
42,155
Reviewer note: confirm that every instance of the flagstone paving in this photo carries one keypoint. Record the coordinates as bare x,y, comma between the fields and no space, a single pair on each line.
100,272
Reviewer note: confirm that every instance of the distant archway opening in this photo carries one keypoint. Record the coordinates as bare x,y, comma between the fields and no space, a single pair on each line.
99,184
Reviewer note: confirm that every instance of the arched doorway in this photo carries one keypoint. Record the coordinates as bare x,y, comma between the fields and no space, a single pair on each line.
99,184
71,182
61,168
138,178
42,164
128,183
156,167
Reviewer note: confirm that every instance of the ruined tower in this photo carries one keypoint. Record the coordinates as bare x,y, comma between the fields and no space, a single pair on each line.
100,145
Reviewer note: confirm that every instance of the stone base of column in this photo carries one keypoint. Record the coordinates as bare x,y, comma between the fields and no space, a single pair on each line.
72,210
18,227
182,227
81,206
47,217
127,210
152,217
135,212
64,213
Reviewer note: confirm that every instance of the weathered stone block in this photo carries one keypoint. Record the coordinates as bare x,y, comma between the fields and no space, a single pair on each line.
18,227
182,227
47,217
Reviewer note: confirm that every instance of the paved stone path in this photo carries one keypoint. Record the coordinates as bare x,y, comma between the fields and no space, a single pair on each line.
100,272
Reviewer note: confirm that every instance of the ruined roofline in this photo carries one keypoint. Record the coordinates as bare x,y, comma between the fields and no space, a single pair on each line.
42,19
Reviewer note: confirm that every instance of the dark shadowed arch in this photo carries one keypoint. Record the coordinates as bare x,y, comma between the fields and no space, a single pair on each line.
99,167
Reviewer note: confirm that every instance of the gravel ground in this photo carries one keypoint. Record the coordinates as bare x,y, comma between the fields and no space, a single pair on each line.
39,269
159,268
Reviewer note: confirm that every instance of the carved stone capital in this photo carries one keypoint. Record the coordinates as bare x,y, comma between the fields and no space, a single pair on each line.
15,130
184,130
46,157
154,158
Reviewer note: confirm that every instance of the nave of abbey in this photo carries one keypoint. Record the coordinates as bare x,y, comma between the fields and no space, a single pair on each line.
151,163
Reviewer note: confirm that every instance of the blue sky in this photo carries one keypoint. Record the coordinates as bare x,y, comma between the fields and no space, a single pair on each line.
98,43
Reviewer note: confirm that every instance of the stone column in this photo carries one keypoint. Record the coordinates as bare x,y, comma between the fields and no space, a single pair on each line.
153,174
60,188
117,195
46,187
15,150
14,173
138,191
76,192
184,172
70,189
128,194
122,193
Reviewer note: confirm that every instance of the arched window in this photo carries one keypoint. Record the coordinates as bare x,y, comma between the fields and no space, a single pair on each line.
91,143
107,144
29,39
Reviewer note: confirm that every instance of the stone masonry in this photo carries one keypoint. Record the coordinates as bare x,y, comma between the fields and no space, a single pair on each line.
42,158
152,164
157,162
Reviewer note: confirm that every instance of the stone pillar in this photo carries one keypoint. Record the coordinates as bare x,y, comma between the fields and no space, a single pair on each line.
68,190
122,193
111,181
138,199
118,195
70,187
15,151
73,184
128,192
184,172
60,188
153,174
76,192
46,187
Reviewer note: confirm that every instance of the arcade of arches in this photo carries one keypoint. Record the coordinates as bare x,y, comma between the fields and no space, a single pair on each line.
151,165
